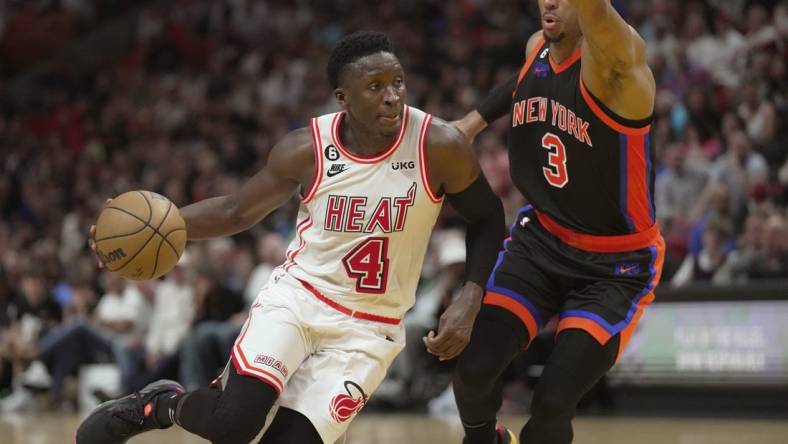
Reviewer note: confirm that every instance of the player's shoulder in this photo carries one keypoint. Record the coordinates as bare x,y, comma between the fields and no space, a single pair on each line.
442,135
294,142
447,146
533,41
294,150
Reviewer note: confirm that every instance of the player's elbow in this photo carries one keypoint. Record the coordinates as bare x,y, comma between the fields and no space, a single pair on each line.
236,215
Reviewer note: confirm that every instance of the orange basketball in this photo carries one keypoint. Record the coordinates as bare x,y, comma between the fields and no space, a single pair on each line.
140,235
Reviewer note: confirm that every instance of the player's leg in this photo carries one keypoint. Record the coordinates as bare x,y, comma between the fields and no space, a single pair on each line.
477,383
233,414
291,427
597,321
520,297
267,353
269,350
334,383
576,364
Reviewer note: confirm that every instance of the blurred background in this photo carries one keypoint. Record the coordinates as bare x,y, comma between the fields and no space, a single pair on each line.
186,97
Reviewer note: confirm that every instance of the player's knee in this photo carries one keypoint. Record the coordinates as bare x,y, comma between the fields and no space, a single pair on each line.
243,409
237,424
475,373
557,393
491,350
552,405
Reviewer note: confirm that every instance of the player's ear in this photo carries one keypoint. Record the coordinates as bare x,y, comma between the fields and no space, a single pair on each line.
341,97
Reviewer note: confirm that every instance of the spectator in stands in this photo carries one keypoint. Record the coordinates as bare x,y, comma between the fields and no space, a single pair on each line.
676,193
710,264
172,314
206,349
758,112
34,314
741,169
764,254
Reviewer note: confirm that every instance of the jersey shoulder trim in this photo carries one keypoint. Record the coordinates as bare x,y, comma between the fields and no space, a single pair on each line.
423,160
528,62
318,150
633,128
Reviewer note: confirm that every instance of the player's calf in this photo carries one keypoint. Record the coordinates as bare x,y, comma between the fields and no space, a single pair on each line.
233,414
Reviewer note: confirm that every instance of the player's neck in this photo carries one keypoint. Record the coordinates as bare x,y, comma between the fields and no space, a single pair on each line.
360,141
561,50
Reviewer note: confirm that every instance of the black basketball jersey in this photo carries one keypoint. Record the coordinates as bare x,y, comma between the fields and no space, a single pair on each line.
573,159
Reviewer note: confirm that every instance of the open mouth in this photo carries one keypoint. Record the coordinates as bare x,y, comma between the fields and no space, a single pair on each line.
549,21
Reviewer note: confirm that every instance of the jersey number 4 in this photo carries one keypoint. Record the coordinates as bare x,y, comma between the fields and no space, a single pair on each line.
368,264
555,172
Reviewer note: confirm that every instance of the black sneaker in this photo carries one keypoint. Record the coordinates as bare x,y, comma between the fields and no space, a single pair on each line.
114,422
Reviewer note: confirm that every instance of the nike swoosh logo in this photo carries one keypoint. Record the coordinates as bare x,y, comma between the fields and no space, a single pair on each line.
623,270
332,173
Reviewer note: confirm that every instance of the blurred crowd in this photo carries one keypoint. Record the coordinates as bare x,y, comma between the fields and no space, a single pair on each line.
194,105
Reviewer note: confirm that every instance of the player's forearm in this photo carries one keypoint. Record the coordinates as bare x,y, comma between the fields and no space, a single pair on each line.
483,241
472,124
590,9
496,104
213,217
486,228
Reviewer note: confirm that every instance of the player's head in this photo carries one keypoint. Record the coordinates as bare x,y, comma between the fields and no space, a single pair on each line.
559,20
368,81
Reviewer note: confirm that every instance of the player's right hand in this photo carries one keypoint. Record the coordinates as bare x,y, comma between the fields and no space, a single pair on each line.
92,238
470,125
463,127
92,243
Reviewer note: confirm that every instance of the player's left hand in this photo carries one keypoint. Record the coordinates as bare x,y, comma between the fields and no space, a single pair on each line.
456,324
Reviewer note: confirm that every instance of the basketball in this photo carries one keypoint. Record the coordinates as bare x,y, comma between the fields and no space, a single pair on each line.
140,235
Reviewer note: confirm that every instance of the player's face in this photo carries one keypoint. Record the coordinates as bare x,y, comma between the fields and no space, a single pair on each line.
559,20
372,90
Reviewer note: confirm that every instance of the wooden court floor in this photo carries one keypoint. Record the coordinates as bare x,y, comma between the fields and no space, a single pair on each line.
405,429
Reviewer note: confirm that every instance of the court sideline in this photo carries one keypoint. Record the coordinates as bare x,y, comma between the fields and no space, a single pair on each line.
417,429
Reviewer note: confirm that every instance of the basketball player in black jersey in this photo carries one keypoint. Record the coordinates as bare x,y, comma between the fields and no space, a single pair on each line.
586,248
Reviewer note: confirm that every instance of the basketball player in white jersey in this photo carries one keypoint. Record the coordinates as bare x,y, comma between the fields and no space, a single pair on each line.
323,331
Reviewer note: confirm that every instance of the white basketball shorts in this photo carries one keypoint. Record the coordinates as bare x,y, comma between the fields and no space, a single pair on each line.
324,363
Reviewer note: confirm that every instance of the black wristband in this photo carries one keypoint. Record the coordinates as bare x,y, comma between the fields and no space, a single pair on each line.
498,102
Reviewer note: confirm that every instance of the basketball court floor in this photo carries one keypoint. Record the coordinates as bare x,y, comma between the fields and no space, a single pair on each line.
405,429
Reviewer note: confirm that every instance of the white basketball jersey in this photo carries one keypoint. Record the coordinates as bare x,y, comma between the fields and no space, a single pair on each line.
364,225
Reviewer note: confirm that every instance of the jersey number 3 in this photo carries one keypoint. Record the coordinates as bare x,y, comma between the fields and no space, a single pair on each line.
368,264
555,172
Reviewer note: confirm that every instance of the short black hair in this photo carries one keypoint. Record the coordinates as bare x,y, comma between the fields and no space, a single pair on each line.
353,47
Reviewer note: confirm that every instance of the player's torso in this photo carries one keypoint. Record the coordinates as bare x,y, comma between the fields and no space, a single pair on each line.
363,228
573,159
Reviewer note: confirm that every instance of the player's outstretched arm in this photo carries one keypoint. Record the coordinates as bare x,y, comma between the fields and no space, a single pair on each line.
614,60
611,40
290,164
496,103
455,171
